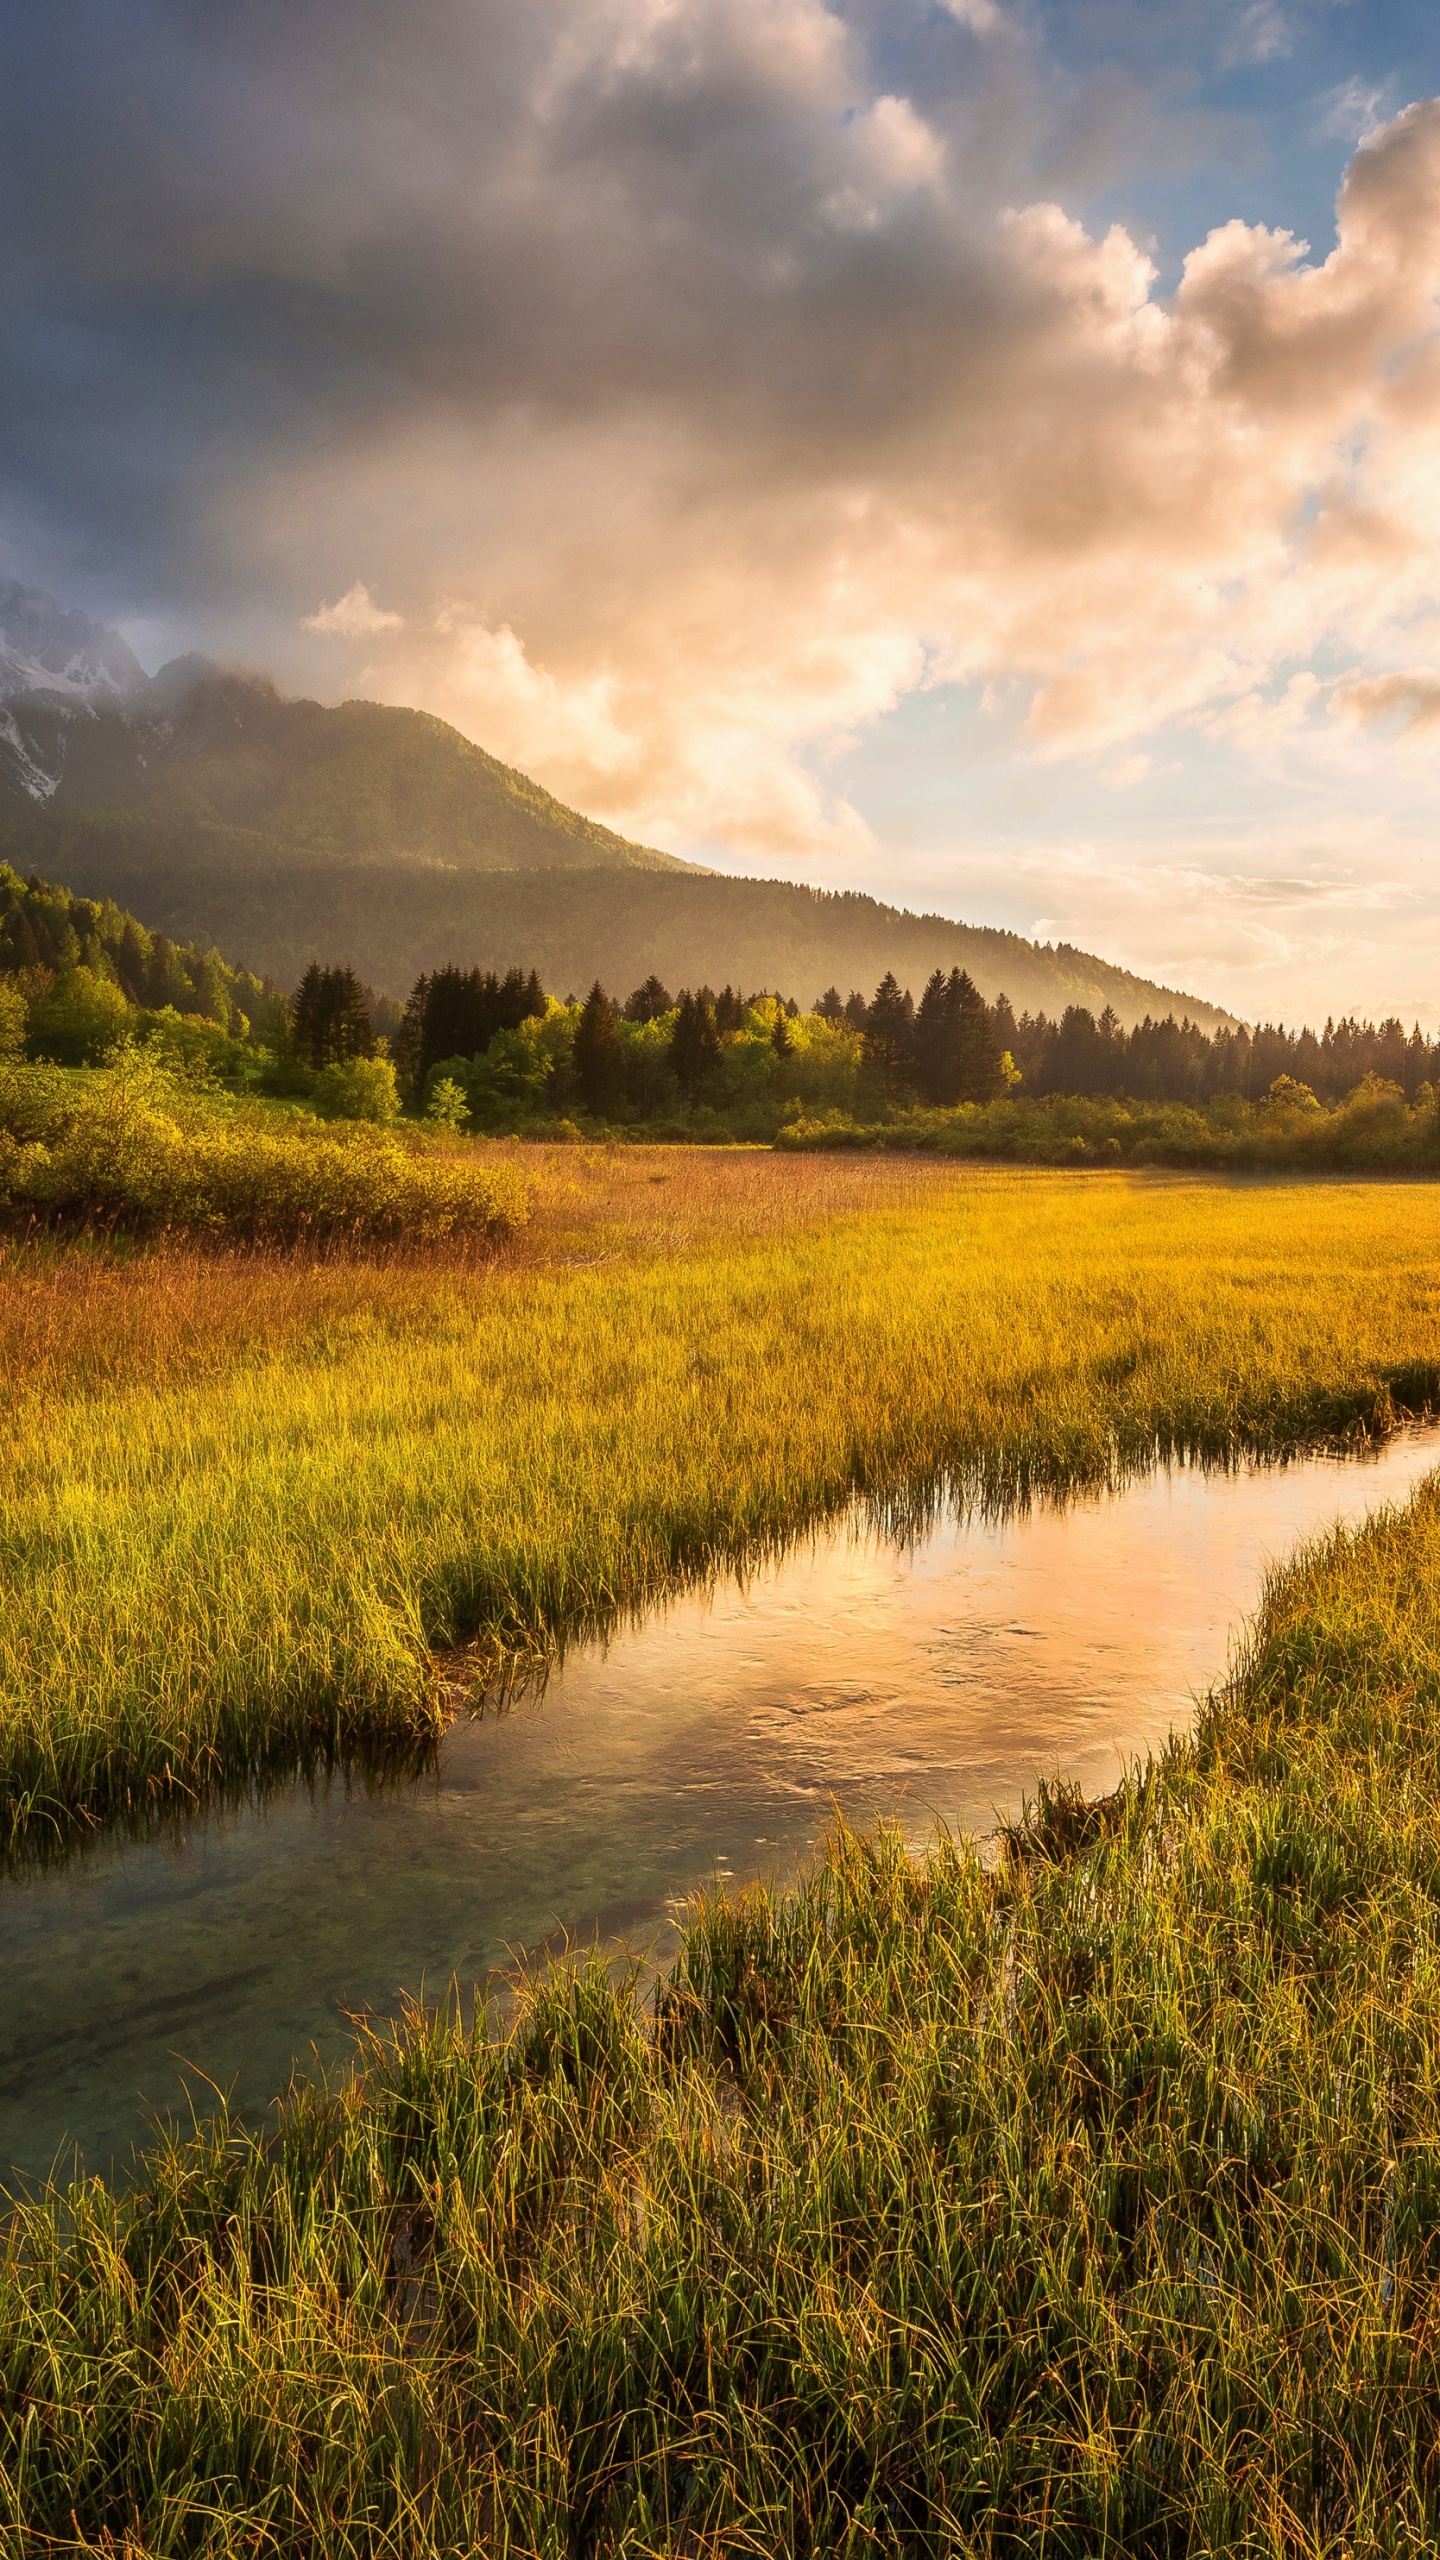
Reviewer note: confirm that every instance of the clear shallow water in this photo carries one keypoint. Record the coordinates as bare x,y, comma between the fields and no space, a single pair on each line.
936,1682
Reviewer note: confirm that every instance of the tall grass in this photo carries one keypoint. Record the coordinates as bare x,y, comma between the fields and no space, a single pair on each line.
1084,2202
203,1570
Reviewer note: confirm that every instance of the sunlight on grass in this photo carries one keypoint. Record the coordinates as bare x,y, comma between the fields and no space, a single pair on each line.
255,1546
1082,2202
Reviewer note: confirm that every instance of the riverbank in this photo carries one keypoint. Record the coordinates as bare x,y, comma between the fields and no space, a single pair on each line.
1085,2200
248,1500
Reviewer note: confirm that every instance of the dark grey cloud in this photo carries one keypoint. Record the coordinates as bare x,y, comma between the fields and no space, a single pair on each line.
662,386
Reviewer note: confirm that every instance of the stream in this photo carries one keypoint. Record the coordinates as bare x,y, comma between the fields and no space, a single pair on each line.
934,1681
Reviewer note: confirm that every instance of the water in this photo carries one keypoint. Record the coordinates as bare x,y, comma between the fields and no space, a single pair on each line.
936,1682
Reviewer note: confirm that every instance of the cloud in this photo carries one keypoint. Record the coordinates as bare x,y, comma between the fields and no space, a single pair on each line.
1350,112
355,617
981,16
700,378
1411,695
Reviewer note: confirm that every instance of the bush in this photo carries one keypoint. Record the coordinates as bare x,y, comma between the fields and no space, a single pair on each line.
196,1047
13,1017
445,1103
130,1146
80,1019
1373,1131
361,1089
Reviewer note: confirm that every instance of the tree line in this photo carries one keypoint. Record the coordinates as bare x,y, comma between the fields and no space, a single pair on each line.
951,1047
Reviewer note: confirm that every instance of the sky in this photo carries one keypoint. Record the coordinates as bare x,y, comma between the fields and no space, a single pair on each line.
979,451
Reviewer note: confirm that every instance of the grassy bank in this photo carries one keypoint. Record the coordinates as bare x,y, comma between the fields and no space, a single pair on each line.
251,1544
1086,2204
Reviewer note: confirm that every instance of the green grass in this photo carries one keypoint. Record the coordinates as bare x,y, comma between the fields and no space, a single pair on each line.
1084,2203
251,1542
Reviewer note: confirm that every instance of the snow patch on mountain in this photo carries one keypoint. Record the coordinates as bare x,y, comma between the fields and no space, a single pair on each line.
28,771
44,649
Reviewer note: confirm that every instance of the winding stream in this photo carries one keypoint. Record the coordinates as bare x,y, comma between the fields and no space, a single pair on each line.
934,1681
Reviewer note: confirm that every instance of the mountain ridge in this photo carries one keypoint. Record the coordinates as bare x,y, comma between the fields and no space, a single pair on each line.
275,828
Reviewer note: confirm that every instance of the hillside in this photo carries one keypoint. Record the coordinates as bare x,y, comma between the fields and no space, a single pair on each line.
390,922
224,814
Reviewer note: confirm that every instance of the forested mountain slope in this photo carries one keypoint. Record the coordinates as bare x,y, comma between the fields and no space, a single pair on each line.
224,814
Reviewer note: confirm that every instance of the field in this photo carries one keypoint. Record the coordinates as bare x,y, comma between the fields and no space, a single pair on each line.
1079,2200
249,1498
1082,2203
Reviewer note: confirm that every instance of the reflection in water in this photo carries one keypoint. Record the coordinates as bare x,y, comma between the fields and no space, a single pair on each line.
936,1681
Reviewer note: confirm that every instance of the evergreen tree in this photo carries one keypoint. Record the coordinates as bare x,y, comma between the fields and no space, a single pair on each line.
780,1040
649,1002
829,1006
167,980
598,1058
307,1014
25,942
406,1046
131,962
694,1042
329,1024
977,1048
1005,1026
350,1033
890,1036
729,1010
856,1010
937,1041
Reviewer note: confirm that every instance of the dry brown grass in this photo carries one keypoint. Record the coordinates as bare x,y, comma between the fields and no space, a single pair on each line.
80,1315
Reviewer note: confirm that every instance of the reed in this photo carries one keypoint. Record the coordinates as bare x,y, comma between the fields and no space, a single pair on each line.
1080,2201
259,1549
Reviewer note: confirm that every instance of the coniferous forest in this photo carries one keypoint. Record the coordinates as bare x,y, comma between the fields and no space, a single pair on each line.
486,1051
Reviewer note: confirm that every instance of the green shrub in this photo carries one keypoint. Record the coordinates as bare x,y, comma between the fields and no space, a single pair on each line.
130,1146
1373,1130
82,1016
195,1046
13,1017
360,1089
445,1103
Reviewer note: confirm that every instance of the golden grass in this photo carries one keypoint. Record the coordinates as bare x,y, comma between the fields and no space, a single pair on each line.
249,1498
1085,2204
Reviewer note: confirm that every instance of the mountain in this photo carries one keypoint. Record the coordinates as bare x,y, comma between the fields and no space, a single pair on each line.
278,830
44,649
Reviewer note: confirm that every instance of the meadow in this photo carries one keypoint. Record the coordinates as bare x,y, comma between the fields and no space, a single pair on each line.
250,1497
1081,2200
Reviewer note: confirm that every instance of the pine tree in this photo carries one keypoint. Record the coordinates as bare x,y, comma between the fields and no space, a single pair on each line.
694,1042
598,1058
649,1002
1005,1026
406,1046
890,1036
981,1074
329,1022
307,1014
829,1006
350,1034
131,962
936,1046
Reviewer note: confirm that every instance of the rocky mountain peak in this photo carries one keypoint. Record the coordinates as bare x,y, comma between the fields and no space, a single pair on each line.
45,650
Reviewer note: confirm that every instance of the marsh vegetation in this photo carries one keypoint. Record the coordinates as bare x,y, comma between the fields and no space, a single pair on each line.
250,1536
1080,2201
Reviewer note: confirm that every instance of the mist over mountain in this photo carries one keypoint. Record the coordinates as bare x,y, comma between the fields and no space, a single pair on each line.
222,812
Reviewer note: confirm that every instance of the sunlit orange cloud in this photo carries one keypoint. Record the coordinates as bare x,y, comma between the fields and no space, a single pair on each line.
662,590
